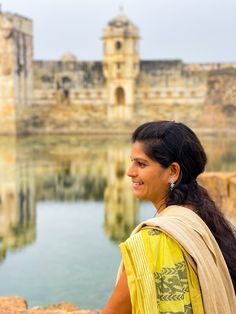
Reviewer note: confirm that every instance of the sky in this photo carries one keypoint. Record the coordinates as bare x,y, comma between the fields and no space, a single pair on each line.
190,30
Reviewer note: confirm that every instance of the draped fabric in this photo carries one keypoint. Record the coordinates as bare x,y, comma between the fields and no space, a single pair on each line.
174,265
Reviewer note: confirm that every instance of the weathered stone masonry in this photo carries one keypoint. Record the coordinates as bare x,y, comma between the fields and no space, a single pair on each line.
15,69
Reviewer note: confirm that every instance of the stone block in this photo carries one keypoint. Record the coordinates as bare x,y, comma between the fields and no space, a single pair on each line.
228,205
12,305
217,183
232,188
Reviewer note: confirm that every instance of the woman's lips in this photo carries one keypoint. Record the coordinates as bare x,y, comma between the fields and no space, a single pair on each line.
137,184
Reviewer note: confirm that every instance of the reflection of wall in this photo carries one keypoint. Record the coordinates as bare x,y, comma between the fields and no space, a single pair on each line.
76,171
17,203
66,185
120,204
220,151
80,168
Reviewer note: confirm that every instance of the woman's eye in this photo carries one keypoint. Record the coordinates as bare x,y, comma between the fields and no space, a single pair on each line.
141,165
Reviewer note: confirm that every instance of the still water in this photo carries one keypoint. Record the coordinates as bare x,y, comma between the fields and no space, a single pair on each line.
65,205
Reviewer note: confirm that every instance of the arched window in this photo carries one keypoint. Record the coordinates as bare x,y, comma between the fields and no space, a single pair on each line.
120,96
66,79
47,79
66,82
118,45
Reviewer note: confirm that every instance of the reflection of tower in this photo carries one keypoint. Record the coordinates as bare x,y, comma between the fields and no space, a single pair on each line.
15,68
120,65
120,204
17,200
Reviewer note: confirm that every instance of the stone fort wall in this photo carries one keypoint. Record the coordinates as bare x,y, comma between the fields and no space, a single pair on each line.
199,96
116,93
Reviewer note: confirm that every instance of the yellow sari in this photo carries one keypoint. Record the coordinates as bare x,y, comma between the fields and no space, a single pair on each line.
159,278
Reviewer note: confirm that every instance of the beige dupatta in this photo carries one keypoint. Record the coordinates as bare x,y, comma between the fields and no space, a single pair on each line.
202,252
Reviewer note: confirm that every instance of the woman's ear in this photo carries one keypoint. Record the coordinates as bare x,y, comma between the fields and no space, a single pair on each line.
174,171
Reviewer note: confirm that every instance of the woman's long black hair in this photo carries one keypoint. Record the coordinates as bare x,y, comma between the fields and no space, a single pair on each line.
167,142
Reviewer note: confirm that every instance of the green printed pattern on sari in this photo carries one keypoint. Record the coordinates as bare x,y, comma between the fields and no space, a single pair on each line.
172,284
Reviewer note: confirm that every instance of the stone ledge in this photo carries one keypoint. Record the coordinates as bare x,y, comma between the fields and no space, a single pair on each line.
219,184
222,188
13,304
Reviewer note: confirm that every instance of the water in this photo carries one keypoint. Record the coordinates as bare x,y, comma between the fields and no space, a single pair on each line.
65,204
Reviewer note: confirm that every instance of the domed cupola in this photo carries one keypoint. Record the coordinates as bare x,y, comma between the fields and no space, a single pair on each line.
121,26
68,57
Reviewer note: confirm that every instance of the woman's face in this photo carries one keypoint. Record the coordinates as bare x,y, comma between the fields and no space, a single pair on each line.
151,181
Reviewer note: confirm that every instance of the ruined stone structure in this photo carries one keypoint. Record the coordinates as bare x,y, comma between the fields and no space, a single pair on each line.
15,69
120,91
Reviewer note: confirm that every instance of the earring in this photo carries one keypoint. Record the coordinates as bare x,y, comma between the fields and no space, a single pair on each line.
172,185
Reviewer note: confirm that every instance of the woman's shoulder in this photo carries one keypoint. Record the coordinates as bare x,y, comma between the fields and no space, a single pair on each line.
151,238
156,237
155,246
145,233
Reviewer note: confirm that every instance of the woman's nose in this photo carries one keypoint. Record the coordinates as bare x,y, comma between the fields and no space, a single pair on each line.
131,172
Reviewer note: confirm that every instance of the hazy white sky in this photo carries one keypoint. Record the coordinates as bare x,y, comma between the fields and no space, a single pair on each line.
191,30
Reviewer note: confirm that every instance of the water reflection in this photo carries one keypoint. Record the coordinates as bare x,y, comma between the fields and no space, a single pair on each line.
74,168
66,185
120,204
221,152
17,200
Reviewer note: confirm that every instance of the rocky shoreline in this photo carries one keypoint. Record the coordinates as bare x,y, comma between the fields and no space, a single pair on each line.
18,305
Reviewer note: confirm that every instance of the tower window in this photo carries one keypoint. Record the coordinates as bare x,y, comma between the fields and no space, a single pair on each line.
118,45
120,96
66,82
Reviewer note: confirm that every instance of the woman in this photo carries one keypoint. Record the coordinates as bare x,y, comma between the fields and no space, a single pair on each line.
184,259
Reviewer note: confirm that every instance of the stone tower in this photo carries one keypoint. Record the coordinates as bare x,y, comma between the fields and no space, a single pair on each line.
15,69
120,65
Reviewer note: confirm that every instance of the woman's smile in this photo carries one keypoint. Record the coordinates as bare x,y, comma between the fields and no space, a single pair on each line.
137,184
150,179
